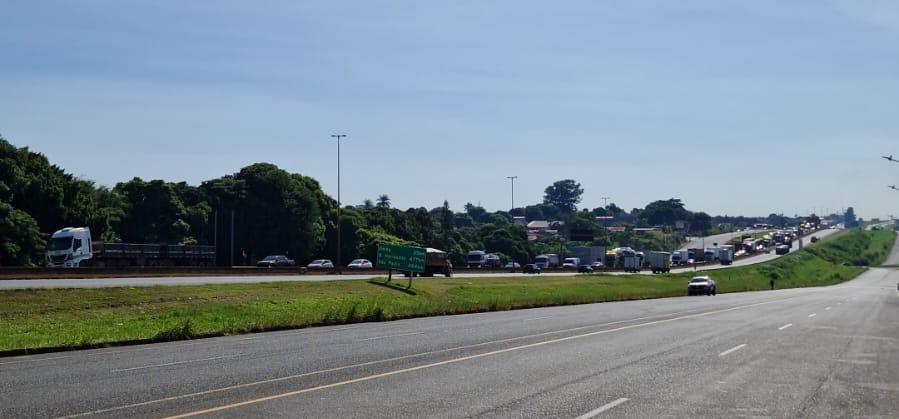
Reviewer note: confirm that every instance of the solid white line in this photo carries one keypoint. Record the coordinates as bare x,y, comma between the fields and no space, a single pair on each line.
33,360
604,408
812,315
456,360
786,326
175,363
828,308
390,336
732,350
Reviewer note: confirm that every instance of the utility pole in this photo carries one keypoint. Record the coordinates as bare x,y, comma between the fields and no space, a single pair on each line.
512,178
605,201
232,238
215,235
338,137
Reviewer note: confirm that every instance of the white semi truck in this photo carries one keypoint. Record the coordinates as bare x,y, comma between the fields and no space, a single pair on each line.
72,247
547,261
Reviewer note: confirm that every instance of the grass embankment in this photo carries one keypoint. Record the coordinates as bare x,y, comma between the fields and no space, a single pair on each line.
70,318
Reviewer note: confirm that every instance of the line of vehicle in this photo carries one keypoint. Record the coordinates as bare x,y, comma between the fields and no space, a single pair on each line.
457,360
604,408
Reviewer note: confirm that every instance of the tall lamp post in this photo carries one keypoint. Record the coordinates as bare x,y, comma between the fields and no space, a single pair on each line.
512,178
338,137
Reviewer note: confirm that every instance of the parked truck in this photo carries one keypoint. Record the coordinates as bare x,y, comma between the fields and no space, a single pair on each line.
72,247
547,261
660,262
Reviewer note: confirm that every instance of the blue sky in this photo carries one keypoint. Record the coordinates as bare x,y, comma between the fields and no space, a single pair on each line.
736,107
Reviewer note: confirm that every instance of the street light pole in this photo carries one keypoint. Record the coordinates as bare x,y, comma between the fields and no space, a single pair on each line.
512,178
338,137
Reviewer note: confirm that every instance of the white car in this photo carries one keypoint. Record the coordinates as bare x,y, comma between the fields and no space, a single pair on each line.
513,265
360,264
597,265
320,264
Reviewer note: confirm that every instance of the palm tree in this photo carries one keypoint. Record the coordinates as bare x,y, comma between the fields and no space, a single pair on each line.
384,201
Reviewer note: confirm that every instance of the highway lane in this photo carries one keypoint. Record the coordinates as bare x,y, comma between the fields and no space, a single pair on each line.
816,352
708,241
248,279
893,258
764,257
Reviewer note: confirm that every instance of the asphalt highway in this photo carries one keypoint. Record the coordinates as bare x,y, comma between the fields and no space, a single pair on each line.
247,279
813,352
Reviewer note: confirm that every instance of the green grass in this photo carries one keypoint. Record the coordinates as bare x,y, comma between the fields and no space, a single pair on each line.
69,318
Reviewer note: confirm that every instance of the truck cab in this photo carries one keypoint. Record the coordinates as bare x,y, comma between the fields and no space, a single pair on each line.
69,247
571,263
477,259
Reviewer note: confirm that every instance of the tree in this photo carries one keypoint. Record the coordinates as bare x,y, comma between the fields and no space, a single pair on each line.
564,194
368,204
155,213
21,242
533,212
701,222
275,212
384,201
665,213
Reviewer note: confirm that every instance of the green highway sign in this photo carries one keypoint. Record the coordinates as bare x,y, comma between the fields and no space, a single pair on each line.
401,258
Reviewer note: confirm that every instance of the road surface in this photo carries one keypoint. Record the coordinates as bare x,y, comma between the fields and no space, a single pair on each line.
893,258
813,352
708,241
251,279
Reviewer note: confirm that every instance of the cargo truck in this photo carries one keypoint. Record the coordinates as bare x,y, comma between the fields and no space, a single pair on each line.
680,257
547,261
726,255
477,259
436,262
660,262
633,263
72,247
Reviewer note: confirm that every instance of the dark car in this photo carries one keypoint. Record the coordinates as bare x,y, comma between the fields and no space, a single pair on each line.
531,269
274,261
585,269
702,285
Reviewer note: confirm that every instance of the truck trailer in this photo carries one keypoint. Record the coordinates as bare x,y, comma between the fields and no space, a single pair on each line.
660,262
72,247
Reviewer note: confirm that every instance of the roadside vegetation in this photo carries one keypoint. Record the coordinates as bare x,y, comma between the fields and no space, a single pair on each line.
71,318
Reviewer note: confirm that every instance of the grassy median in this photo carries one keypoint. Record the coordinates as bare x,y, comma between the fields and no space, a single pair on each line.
72,318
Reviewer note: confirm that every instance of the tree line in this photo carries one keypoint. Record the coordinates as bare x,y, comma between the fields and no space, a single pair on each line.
277,212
